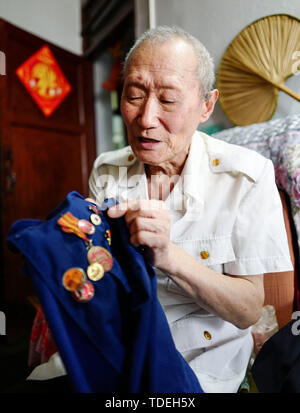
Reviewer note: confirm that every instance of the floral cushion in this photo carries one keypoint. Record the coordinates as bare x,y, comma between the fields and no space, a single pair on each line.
268,138
278,140
288,177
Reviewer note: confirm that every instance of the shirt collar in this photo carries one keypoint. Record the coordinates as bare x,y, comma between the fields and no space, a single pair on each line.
133,182
195,169
187,196
188,191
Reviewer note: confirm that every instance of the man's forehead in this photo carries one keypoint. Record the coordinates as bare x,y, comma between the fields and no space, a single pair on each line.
164,55
162,63
161,78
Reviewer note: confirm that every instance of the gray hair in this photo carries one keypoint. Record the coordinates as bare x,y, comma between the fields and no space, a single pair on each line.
205,69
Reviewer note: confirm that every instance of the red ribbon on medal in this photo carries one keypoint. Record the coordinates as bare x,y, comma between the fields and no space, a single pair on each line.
69,223
95,210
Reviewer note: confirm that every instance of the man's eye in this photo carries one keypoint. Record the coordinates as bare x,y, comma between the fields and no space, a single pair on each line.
134,97
167,102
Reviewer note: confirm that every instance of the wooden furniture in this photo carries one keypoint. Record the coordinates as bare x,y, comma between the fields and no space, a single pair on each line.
42,159
280,287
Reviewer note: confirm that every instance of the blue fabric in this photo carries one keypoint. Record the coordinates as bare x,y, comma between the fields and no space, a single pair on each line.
119,341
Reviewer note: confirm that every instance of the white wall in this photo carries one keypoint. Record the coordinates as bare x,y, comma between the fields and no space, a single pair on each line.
217,22
57,21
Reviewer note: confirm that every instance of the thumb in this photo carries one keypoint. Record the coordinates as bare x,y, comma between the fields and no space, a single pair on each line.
118,210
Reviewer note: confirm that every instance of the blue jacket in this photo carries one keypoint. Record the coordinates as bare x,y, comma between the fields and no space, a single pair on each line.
119,341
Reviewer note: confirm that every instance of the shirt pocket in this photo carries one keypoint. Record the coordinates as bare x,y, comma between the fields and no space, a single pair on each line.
213,252
210,251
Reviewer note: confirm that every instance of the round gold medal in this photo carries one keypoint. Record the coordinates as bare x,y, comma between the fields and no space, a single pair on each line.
95,271
73,279
102,256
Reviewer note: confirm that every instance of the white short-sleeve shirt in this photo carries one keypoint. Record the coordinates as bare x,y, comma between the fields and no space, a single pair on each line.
226,212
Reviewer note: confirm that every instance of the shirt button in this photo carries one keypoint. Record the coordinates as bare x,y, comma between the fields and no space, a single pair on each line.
204,254
207,335
215,162
130,158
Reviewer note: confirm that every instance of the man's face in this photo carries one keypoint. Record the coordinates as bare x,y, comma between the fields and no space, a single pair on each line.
161,103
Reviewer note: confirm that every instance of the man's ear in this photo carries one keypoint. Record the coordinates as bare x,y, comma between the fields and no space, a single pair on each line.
208,105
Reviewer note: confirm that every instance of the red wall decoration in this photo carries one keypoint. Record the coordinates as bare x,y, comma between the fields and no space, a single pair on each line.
44,80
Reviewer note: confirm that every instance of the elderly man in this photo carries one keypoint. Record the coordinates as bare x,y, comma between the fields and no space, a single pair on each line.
207,214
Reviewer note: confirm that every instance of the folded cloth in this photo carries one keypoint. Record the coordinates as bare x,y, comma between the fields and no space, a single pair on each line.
119,339
51,369
41,345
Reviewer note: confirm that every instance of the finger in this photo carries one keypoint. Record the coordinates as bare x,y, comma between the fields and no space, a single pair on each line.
147,224
147,239
122,208
132,216
160,214
118,210
143,206
90,200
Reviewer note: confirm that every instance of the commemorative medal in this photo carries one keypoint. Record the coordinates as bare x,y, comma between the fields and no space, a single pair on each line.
86,226
100,255
95,271
85,293
73,279
95,218
108,236
95,210
99,258
69,224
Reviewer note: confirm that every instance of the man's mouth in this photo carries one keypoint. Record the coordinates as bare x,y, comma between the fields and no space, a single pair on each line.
147,140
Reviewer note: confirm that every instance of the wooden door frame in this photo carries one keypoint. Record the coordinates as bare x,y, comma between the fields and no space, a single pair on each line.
86,80
85,127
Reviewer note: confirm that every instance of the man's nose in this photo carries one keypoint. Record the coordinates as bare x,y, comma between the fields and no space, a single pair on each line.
148,114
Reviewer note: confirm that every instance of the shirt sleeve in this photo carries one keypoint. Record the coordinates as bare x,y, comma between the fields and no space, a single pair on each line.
97,180
259,237
92,184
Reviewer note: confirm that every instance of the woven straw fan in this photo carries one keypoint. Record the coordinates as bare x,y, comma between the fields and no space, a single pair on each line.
255,66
